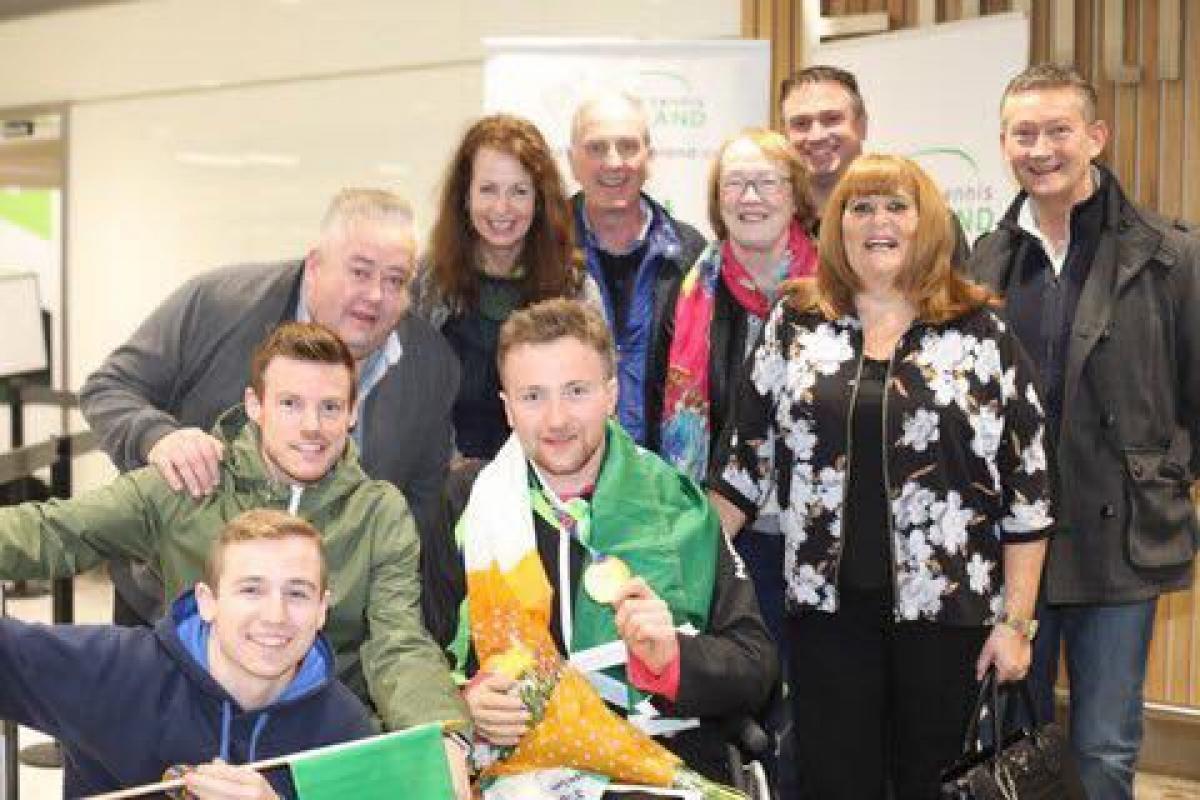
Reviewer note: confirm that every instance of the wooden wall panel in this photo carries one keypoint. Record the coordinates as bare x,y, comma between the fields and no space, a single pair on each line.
1150,111
1170,192
1154,149
1155,145
1190,144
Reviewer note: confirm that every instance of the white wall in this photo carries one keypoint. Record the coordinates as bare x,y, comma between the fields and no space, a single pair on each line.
163,45
205,132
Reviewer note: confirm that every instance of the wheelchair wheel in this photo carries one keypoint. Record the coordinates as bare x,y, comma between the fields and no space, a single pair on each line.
757,786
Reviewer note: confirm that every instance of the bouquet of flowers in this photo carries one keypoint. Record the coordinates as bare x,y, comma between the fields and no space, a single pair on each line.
572,727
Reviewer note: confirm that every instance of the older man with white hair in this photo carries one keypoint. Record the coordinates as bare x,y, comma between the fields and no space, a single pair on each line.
635,250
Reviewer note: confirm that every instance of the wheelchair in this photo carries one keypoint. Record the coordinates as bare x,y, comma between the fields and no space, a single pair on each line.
747,743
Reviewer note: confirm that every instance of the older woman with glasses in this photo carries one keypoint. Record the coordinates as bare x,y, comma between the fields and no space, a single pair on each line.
759,206
891,418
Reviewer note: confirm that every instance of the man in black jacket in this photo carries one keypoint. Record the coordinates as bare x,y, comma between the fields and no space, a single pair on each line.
634,249
1104,297
675,641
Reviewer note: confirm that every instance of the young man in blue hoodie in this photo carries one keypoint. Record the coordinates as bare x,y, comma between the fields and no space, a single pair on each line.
237,672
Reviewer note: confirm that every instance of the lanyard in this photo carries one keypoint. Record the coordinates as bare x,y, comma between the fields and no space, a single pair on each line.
570,526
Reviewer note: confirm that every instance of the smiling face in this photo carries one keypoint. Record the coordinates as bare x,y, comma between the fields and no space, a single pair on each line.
265,612
357,281
304,417
1049,144
878,232
825,127
557,397
756,197
610,155
501,200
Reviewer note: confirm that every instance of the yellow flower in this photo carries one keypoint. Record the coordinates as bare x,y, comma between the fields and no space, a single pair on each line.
513,663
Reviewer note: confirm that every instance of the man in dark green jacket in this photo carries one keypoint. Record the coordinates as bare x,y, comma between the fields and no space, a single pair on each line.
287,448
1103,295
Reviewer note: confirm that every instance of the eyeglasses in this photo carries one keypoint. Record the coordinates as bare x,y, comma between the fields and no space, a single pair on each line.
734,186
575,393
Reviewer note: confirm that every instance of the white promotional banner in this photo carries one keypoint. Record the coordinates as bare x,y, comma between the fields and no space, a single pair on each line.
696,93
934,94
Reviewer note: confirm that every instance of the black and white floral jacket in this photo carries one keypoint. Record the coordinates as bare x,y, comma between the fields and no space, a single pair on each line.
965,465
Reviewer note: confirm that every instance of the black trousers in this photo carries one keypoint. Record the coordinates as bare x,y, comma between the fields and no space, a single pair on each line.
879,708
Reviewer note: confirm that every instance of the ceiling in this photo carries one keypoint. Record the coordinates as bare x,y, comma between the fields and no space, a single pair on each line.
11,9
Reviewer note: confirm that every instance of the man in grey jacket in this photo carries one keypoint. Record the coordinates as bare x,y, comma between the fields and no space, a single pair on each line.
155,398
1103,295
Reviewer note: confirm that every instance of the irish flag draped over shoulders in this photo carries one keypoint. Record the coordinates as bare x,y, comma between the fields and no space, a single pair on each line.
643,512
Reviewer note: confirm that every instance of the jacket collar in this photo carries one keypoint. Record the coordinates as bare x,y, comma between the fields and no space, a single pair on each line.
659,234
1139,242
247,474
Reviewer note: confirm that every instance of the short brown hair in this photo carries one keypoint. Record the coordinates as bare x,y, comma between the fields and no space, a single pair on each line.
930,280
554,319
302,341
776,148
552,264
260,524
1052,76
824,73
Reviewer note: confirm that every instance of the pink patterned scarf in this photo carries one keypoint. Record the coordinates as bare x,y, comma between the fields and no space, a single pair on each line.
686,426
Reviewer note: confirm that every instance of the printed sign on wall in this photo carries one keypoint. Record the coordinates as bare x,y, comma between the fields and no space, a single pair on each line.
934,94
696,93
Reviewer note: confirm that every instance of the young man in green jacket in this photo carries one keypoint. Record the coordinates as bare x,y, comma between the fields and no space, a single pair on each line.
288,447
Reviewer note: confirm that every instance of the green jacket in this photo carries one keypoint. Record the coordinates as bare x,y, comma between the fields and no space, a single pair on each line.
383,651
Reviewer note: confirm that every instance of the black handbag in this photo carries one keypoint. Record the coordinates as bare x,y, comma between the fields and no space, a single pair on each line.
1032,763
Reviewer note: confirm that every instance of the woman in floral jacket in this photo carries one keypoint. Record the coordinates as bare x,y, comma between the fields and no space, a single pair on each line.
889,418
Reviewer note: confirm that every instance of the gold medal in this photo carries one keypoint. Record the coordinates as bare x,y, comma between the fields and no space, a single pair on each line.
604,577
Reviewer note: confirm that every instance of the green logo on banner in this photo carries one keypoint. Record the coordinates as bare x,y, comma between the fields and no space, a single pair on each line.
29,210
967,193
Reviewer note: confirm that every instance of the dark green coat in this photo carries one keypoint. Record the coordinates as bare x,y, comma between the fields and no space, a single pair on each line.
1129,447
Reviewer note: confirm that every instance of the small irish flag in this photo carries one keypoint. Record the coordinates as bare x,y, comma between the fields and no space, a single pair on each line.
407,763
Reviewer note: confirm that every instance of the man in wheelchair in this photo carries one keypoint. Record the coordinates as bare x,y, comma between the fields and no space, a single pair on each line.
579,548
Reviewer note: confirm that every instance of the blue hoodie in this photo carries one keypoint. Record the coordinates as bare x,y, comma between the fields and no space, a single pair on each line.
127,703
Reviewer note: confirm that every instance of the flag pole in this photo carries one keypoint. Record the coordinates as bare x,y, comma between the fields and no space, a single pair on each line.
268,763
177,783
